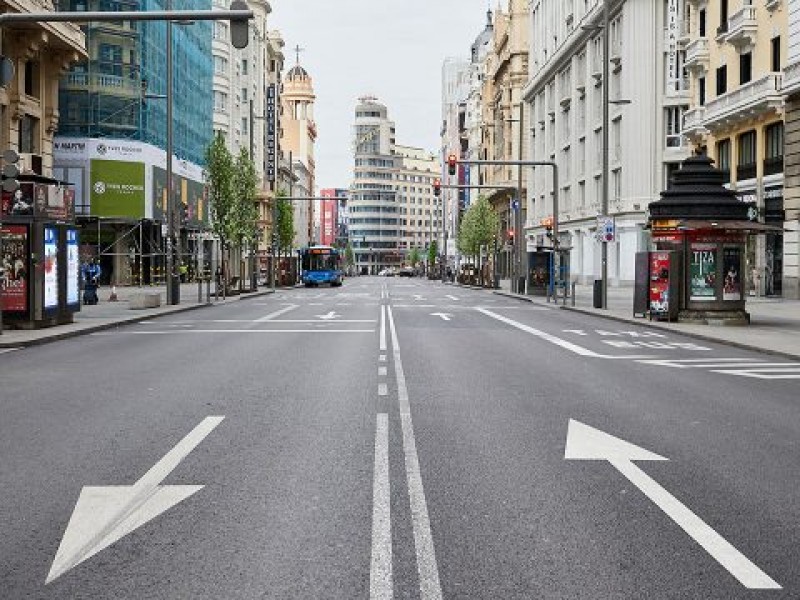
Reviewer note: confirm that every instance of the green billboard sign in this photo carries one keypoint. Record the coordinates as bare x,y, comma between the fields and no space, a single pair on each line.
117,189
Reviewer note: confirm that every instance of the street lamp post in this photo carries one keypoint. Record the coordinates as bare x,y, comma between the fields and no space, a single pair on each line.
604,196
173,290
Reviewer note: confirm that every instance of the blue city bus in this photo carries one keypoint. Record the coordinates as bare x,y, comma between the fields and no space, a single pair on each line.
321,264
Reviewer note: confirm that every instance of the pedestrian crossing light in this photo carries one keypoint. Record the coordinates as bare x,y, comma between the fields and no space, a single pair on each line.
437,187
452,160
240,28
10,171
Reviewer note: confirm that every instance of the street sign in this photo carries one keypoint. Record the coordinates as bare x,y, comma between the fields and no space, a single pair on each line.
606,229
587,443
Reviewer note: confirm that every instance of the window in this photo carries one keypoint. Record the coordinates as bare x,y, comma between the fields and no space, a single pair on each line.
723,16
673,118
220,102
773,159
32,79
724,159
244,66
244,95
244,125
745,67
722,80
220,65
220,30
775,55
701,91
702,26
746,160
28,134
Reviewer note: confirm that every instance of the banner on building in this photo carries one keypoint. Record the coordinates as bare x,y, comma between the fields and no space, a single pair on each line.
117,188
272,138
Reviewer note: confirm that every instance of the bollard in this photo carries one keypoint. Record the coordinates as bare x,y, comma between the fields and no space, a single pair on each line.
208,290
573,293
199,291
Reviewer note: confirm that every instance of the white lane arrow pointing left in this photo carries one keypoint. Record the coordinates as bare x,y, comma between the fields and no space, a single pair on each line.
329,316
445,316
106,514
588,443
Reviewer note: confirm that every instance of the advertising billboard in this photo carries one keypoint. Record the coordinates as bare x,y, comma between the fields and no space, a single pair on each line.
117,188
15,273
50,268
73,267
703,272
731,270
191,194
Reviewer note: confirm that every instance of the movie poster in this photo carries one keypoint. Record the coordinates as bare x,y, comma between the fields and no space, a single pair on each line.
73,267
659,282
732,273
703,272
15,273
50,268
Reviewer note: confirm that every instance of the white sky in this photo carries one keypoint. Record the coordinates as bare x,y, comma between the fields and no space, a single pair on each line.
392,49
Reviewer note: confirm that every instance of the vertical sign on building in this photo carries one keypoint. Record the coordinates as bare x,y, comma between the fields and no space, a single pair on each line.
272,137
673,31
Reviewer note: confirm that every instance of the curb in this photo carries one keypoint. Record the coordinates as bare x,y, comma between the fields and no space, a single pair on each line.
63,335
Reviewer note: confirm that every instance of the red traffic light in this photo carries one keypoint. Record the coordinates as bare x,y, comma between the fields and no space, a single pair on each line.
437,187
452,160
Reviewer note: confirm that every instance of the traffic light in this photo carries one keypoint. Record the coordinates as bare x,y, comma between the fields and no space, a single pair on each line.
437,187
240,28
511,236
549,230
452,160
10,171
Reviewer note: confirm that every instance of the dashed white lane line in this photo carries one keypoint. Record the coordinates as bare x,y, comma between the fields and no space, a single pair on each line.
382,371
277,313
383,328
382,358
428,570
383,390
380,577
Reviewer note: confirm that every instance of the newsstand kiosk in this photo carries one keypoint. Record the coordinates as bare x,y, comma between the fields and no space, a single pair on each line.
39,255
699,234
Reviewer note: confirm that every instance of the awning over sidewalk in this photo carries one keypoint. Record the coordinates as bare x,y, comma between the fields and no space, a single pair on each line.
35,178
746,226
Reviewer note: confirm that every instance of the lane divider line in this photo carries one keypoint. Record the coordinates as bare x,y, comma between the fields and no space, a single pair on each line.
383,328
429,585
277,313
383,389
380,574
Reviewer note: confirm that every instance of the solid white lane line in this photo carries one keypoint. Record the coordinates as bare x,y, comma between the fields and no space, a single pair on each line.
383,390
429,586
380,576
4,350
383,328
179,331
714,364
381,371
451,297
382,358
332,320
764,373
277,313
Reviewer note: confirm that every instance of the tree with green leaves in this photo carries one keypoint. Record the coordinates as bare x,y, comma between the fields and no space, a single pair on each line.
349,254
219,177
478,229
433,251
245,207
414,256
285,224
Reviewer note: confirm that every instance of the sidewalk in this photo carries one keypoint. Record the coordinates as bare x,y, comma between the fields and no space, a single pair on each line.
774,322
107,315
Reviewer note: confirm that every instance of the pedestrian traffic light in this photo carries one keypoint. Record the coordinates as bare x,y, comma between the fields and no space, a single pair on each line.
240,28
452,160
10,171
437,187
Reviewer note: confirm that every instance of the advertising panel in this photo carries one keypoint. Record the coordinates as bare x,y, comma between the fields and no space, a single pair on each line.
659,282
117,188
73,267
50,268
703,272
19,203
732,269
15,272
191,196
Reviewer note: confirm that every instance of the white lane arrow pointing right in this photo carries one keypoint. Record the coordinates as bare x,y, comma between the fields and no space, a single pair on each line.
105,514
329,316
588,443
444,316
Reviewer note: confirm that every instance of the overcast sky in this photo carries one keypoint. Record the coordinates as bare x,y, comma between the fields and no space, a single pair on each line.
392,49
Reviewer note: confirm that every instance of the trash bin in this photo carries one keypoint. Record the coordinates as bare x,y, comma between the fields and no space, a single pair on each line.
597,296
521,285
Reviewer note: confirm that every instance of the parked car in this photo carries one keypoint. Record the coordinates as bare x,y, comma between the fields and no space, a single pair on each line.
386,273
406,272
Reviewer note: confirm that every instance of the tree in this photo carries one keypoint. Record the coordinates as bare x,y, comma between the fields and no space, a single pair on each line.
414,256
219,176
285,224
433,252
478,228
349,255
244,208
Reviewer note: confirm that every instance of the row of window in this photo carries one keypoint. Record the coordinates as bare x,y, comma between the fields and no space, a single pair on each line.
747,153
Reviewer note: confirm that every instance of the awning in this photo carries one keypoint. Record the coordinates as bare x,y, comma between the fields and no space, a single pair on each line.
35,178
746,226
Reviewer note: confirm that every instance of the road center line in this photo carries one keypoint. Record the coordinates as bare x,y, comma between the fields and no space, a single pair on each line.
380,577
383,390
429,586
383,328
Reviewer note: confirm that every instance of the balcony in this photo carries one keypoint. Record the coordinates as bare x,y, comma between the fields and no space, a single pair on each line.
773,5
746,171
791,77
773,166
697,55
746,102
106,84
693,122
742,28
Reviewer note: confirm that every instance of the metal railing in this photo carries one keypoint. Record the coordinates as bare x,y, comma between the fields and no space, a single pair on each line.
749,94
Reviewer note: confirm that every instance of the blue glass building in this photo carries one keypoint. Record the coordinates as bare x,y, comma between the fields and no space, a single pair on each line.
107,95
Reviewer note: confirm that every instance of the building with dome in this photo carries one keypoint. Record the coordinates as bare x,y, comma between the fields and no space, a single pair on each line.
298,137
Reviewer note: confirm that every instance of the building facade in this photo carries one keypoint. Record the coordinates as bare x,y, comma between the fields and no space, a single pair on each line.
415,171
791,195
30,108
736,54
648,95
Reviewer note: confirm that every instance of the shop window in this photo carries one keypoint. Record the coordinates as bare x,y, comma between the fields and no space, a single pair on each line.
746,160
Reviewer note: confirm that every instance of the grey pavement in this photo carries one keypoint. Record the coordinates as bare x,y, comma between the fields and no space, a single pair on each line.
774,326
109,313
397,438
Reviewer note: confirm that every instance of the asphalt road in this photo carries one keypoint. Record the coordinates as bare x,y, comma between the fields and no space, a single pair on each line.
397,438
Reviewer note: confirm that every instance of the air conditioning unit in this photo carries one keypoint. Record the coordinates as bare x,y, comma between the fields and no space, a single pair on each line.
30,163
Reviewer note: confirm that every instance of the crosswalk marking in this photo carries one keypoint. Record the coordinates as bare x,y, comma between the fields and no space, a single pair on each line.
743,367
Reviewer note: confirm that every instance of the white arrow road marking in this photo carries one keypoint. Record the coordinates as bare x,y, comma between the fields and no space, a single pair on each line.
277,313
106,514
451,297
588,443
329,316
445,316
418,297
4,350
